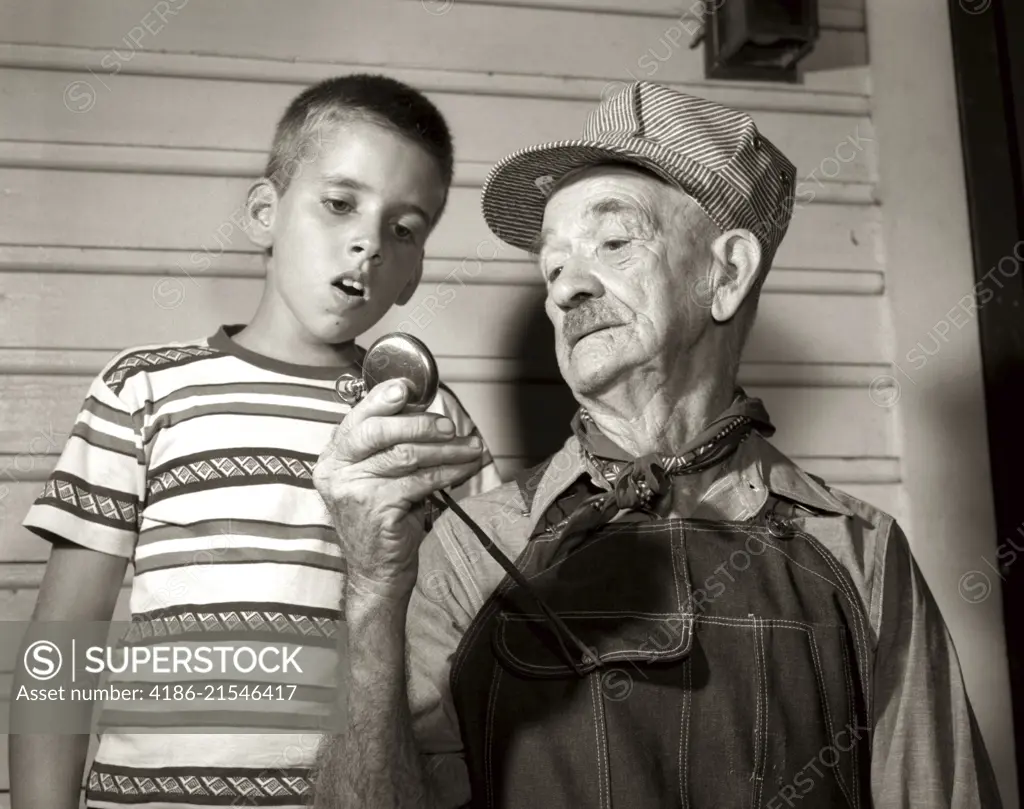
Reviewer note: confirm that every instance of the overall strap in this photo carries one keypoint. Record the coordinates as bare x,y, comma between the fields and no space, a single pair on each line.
556,516
529,479
566,638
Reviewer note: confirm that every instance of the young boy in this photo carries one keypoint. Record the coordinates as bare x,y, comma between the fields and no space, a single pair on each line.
193,460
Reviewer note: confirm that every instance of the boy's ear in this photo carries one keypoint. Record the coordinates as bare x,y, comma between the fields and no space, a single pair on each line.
414,282
260,212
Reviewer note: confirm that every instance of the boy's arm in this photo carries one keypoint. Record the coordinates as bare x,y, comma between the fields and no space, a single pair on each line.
927,751
79,585
89,511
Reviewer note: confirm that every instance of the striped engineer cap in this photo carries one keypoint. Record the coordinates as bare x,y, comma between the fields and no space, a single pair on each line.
714,154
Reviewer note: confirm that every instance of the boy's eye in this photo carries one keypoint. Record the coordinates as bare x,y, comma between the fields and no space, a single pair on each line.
404,233
338,205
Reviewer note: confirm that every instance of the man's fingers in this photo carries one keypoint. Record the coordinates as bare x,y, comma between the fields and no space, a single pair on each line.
404,459
377,424
383,400
380,433
417,485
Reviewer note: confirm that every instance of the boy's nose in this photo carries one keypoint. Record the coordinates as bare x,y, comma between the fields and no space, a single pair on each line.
364,248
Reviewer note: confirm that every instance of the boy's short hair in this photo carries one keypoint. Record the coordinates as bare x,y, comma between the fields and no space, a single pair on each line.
357,97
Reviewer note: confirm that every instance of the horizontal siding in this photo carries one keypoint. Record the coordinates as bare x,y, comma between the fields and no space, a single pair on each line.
847,424
505,39
144,110
135,214
468,271
798,97
54,310
190,121
102,213
38,410
84,362
832,13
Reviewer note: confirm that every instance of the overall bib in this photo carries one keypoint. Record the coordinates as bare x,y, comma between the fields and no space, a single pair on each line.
726,669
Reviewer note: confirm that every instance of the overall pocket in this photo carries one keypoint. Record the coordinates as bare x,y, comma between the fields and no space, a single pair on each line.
556,738
772,716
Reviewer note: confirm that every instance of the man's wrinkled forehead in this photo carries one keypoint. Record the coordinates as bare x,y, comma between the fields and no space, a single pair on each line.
634,206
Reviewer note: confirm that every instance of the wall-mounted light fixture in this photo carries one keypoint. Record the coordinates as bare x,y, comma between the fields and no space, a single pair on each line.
761,40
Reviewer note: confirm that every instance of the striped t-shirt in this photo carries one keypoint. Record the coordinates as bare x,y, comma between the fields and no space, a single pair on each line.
194,460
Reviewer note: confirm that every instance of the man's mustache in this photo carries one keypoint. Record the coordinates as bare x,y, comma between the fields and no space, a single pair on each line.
585,319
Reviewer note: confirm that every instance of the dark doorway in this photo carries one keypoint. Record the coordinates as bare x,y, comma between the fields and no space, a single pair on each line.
988,50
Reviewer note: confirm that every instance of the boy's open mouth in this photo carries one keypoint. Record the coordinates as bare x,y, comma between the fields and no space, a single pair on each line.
350,286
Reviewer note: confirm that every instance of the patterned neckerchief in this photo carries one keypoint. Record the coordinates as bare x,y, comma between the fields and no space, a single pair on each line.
638,482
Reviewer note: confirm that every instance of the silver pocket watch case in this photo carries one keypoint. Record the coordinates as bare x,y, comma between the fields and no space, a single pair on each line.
394,356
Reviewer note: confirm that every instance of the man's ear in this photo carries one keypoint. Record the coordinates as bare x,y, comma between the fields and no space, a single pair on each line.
260,212
414,282
736,269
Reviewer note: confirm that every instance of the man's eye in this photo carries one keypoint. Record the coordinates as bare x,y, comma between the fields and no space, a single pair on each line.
553,273
615,244
338,205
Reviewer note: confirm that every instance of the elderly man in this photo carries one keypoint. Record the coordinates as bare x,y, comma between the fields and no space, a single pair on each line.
667,612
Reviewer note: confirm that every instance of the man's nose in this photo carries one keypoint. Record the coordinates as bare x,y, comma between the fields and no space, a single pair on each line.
574,285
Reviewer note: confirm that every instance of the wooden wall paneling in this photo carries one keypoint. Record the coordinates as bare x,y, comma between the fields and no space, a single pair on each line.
54,310
827,144
101,211
37,412
833,13
468,37
203,213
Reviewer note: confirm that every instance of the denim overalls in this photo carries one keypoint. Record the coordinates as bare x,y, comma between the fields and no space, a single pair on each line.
726,668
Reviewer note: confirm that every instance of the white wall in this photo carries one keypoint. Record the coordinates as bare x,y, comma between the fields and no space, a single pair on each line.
127,141
934,347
